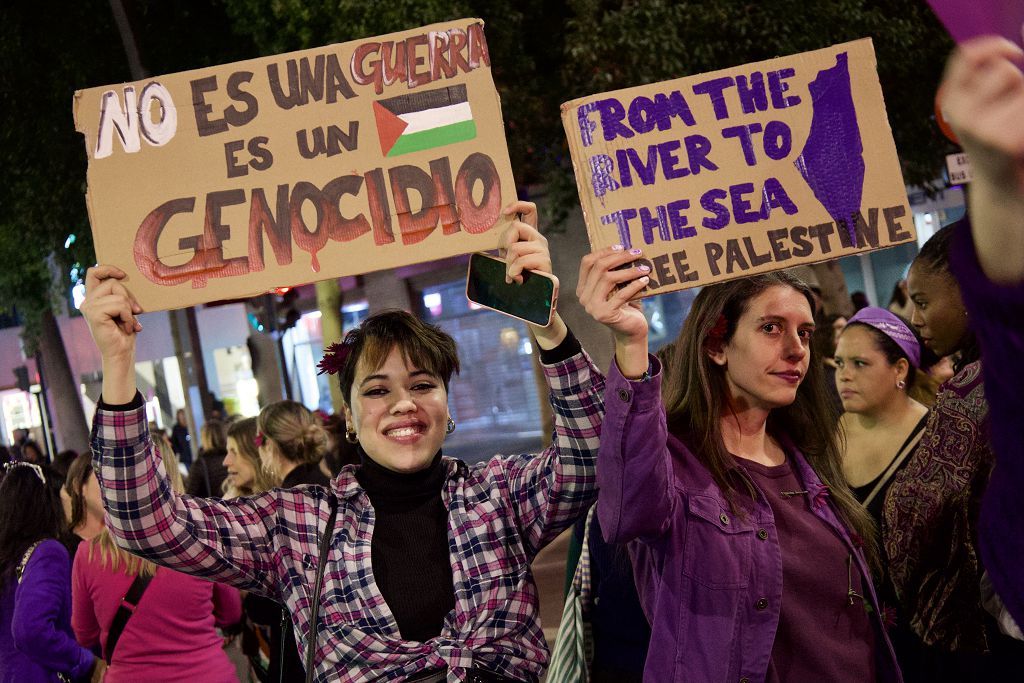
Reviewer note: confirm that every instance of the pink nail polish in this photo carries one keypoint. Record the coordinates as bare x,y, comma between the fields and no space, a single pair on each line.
616,247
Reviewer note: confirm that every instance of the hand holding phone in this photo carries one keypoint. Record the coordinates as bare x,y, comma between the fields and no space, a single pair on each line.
533,300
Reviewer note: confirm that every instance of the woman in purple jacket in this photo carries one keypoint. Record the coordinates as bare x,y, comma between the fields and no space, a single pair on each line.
36,641
750,553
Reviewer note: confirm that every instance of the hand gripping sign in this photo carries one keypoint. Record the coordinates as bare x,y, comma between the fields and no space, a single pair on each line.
741,171
229,181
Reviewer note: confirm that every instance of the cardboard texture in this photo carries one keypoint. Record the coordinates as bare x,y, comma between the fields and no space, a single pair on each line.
229,181
745,170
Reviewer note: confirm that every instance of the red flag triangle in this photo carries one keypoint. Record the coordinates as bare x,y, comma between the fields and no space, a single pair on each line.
389,127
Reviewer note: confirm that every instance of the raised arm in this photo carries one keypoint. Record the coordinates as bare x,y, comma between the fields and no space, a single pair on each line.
634,463
983,100
551,490
227,541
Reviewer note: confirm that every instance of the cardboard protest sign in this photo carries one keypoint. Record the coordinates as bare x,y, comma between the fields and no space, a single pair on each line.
226,182
741,171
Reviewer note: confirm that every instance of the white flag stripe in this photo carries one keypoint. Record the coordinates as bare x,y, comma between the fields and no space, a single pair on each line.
435,118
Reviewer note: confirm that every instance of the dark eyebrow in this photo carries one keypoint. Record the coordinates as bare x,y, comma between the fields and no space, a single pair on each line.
780,319
383,377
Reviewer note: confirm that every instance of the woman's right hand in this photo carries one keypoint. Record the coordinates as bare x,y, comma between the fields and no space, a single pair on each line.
109,309
608,282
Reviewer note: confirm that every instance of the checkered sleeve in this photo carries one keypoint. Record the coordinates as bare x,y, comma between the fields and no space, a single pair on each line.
226,541
551,490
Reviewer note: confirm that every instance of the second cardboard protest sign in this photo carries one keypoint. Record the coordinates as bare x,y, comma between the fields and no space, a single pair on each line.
229,181
741,171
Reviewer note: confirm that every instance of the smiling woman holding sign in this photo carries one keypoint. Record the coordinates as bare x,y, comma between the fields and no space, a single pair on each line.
418,565
748,548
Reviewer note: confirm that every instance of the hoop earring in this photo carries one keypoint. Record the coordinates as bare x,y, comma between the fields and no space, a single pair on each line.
451,425
900,384
351,436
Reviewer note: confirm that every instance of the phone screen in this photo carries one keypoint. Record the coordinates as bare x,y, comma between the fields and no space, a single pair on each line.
532,300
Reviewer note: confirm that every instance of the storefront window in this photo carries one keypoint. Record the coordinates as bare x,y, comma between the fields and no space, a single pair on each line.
304,347
494,400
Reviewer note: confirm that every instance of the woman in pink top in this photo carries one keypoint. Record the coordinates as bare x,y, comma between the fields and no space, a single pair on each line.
172,634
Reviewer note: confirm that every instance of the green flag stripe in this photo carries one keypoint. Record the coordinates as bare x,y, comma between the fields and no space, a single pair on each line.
436,137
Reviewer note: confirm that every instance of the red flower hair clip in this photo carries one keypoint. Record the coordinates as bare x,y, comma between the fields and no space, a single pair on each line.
336,356
720,328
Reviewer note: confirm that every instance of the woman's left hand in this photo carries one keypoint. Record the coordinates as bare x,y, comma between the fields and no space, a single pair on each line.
522,245
524,248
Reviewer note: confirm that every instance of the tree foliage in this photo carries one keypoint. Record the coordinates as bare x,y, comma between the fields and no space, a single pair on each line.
543,54
46,58
615,44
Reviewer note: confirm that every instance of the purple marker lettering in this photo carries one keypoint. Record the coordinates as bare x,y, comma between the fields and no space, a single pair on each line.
620,219
778,88
587,127
602,178
612,113
715,90
753,96
744,133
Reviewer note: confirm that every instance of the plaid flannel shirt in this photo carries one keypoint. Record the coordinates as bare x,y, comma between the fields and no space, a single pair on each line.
501,513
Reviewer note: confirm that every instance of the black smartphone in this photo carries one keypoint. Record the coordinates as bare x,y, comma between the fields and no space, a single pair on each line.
533,301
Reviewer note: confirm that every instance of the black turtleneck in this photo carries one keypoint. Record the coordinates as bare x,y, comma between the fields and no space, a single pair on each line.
409,549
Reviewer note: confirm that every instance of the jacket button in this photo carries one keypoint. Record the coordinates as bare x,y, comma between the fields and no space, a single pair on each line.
762,534
724,517
744,680
623,395
762,604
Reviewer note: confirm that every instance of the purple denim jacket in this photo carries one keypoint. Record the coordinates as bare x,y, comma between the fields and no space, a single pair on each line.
700,570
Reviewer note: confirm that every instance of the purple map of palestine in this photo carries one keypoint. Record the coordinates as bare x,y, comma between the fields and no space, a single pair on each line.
832,161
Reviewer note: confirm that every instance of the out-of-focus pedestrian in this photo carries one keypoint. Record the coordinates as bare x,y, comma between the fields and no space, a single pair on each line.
181,440
37,644
207,474
169,631
83,503
930,528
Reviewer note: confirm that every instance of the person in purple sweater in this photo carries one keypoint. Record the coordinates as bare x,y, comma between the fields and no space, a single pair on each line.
983,99
750,553
36,641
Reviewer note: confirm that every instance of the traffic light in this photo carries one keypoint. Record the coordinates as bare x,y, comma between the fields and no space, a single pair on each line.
285,308
275,311
21,377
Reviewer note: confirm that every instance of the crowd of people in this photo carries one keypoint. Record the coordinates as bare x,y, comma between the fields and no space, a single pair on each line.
755,502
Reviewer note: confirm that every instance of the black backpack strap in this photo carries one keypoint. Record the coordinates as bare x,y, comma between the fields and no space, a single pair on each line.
129,603
314,617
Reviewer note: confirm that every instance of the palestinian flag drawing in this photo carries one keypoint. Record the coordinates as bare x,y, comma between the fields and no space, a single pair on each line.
423,120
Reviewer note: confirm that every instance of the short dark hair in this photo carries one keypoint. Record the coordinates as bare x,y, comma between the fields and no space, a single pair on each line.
426,345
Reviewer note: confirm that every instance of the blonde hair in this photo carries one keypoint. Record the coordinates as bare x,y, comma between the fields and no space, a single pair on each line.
243,432
113,557
213,436
299,436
